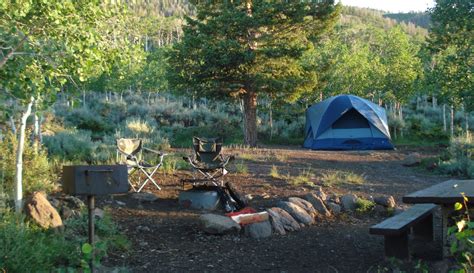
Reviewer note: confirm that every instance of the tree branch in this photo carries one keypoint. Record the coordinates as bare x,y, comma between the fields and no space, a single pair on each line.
11,53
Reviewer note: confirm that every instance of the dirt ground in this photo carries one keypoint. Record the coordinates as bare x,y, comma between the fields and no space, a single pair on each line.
166,237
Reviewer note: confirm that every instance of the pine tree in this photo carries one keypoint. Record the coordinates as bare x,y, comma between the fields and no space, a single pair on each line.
241,49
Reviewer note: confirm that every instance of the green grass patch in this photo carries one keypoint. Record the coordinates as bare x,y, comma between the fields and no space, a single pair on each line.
364,206
342,177
241,167
304,178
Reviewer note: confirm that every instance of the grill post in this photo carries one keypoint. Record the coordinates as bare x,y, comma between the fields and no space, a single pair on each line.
91,206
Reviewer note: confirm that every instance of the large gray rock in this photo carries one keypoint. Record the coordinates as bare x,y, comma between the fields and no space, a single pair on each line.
145,196
386,201
218,224
42,212
349,202
334,208
73,202
318,204
259,230
307,206
282,221
297,212
412,160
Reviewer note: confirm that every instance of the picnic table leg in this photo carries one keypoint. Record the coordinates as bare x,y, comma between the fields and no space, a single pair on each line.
445,213
397,246
424,229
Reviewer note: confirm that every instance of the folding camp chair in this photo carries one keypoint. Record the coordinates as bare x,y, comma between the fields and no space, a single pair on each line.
130,152
209,167
207,161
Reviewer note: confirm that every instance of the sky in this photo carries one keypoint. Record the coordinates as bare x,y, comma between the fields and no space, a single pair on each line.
391,5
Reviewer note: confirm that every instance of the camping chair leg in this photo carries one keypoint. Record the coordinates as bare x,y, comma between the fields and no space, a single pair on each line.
149,178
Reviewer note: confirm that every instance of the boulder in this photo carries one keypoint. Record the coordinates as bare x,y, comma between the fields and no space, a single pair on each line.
73,202
412,160
318,204
144,196
386,201
42,212
307,206
218,224
282,221
298,213
349,202
334,208
259,230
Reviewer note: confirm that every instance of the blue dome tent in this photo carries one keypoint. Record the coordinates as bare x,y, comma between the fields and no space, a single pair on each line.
346,122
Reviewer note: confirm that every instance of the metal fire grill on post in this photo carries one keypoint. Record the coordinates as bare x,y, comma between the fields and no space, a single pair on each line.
92,181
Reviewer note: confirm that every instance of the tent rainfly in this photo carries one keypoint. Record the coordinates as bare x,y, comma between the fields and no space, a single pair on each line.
346,122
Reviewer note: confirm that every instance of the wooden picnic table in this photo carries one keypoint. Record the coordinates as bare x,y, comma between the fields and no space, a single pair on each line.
444,194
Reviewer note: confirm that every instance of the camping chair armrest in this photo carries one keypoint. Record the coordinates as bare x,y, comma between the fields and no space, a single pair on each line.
154,151
129,156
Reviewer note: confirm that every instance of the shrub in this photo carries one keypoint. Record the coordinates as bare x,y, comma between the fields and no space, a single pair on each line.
460,157
85,119
37,171
364,206
240,167
27,248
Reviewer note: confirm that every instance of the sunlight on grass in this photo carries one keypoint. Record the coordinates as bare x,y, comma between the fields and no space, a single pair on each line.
342,177
364,206
304,178
274,172
246,156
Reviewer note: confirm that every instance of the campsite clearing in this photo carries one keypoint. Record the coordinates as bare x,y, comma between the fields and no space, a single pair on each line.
166,238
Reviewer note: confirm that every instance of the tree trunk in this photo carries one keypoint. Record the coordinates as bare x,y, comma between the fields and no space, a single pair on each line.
271,120
452,121
466,117
12,124
433,101
84,98
36,132
444,118
250,118
19,159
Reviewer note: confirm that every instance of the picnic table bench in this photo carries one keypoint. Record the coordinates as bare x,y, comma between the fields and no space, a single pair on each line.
396,229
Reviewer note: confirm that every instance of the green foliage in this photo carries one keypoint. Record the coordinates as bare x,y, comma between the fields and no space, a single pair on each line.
330,179
38,173
450,44
28,248
77,146
462,238
460,157
364,206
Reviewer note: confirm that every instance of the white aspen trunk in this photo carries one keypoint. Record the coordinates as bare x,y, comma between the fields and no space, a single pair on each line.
401,118
36,133
417,103
452,121
320,96
40,132
19,159
12,124
84,98
444,118
1,137
433,101
121,96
